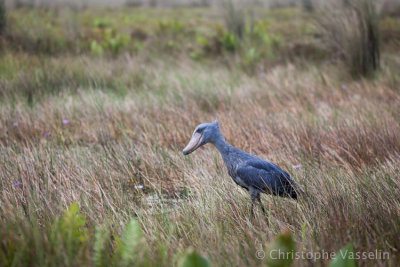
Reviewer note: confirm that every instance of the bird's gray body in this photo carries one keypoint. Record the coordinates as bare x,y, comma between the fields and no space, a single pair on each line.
255,174
250,172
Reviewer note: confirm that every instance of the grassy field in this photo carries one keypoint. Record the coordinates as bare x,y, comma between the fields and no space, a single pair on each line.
97,105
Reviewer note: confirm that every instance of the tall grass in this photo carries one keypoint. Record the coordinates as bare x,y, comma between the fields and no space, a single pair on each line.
345,136
106,132
234,18
352,28
3,19
307,5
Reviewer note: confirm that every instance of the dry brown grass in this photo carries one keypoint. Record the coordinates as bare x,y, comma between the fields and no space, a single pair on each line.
344,133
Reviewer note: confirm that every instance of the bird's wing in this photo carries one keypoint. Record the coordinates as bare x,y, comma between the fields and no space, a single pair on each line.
268,167
266,177
257,178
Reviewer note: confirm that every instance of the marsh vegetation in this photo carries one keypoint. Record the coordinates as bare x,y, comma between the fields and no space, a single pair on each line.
96,105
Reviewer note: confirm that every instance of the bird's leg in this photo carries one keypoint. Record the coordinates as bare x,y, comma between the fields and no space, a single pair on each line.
259,201
254,194
252,205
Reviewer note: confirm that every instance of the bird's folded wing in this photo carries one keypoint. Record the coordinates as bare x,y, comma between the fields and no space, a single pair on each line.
269,167
259,178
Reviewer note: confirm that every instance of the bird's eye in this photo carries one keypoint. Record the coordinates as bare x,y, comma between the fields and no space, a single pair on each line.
199,130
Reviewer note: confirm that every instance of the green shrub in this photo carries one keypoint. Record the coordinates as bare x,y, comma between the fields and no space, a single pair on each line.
212,43
113,41
345,257
101,241
170,27
285,244
252,57
229,41
193,259
132,243
96,48
70,231
101,23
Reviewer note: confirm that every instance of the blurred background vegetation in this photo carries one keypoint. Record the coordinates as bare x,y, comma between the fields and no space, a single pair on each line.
244,35
251,36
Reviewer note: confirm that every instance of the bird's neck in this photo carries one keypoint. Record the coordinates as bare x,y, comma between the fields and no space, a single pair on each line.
221,145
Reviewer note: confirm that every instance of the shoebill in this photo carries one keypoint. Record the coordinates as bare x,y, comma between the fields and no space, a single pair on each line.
250,172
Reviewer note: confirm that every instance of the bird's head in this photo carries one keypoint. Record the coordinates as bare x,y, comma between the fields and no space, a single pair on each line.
203,134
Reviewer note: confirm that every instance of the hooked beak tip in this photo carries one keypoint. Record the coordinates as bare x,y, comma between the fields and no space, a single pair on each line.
194,143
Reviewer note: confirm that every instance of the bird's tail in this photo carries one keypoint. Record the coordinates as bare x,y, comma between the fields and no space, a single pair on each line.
298,192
